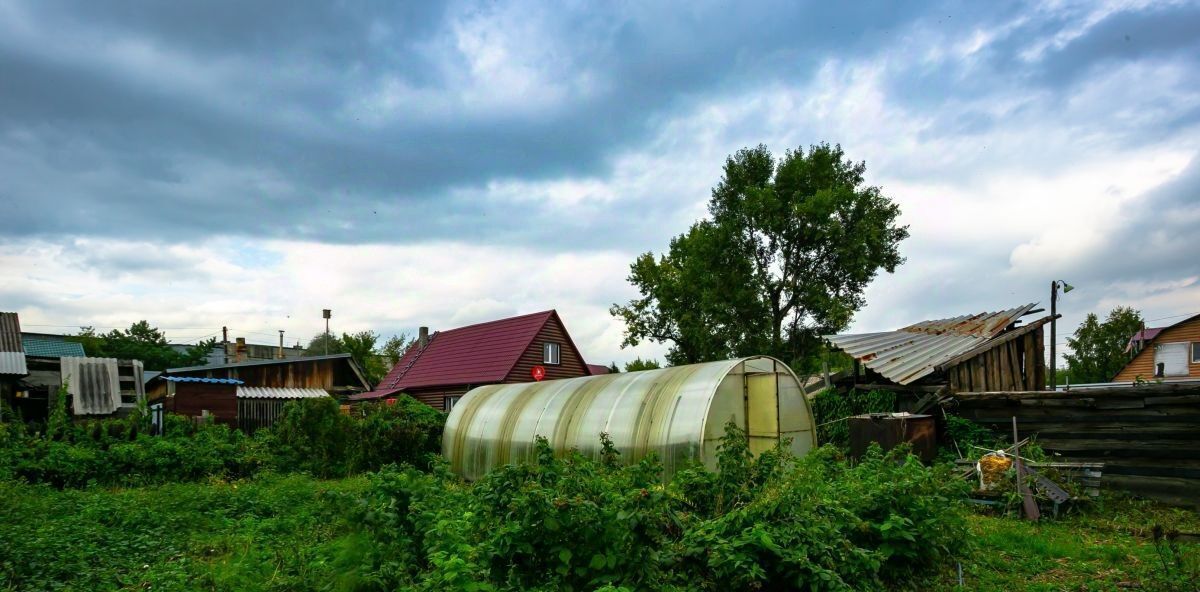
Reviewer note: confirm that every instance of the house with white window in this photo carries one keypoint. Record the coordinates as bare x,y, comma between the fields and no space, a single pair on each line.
1164,353
441,367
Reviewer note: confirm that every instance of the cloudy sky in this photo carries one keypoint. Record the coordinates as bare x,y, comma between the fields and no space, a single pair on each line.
248,164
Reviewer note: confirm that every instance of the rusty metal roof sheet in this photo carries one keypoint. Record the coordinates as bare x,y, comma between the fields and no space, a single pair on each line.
12,354
910,353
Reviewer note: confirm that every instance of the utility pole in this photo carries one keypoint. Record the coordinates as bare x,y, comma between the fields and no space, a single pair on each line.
1054,285
326,313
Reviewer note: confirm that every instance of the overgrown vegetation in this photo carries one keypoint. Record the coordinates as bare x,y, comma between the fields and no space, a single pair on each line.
312,436
831,408
561,522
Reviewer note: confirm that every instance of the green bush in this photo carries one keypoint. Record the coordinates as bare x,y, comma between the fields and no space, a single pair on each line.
311,435
570,523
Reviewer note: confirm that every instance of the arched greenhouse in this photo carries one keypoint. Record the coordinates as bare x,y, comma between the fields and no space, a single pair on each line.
679,413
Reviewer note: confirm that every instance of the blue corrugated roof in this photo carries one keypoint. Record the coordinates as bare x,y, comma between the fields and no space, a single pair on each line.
51,347
198,379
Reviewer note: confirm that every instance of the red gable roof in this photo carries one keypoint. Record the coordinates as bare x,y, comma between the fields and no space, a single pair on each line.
475,354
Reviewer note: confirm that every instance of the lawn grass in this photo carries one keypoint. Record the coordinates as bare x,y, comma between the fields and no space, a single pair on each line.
1107,547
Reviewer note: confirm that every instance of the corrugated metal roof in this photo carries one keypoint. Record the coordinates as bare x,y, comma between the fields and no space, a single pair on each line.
908,354
12,354
477,354
200,379
263,392
51,346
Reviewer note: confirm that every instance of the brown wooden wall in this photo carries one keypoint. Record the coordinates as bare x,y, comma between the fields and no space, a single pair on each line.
436,396
1147,436
192,398
571,366
1143,363
1017,364
332,375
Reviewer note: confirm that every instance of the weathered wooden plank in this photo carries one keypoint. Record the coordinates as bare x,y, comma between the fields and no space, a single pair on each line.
1085,402
1040,358
978,380
1144,391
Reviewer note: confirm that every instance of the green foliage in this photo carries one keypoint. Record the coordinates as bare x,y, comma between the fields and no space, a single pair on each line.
789,249
268,534
312,435
639,364
363,347
142,342
1098,348
564,522
830,409
393,349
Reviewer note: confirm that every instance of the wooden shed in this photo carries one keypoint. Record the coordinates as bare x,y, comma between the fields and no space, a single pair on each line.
970,353
336,374
227,401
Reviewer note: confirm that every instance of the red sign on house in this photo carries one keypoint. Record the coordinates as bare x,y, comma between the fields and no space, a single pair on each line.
538,373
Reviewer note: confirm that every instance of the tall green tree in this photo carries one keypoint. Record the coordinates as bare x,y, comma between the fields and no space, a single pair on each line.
142,341
1098,348
787,251
393,349
325,344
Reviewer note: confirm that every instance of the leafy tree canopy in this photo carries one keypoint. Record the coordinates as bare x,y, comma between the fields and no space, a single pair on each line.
363,347
785,256
142,342
640,364
1098,348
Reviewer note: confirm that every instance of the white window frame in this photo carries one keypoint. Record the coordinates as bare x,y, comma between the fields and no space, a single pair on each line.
450,402
552,353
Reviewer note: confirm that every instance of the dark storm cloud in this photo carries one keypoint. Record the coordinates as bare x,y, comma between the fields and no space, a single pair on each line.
184,120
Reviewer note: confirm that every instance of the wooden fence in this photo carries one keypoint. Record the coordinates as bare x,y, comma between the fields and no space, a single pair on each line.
1147,436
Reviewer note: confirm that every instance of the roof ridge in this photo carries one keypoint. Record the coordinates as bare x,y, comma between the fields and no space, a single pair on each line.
495,321
413,361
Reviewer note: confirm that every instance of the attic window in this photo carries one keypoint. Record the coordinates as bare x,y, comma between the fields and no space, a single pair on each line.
551,353
451,402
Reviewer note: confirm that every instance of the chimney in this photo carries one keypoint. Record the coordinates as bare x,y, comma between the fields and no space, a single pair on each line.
422,337
240,355
281,344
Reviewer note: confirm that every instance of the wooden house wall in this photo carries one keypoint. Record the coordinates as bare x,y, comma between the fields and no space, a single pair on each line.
436,396
571,364
193,398
1017,364
1143,363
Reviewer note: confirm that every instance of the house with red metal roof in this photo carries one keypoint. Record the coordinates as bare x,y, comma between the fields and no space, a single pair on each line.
441,367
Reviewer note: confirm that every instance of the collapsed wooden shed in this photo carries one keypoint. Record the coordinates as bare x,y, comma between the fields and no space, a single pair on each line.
988,351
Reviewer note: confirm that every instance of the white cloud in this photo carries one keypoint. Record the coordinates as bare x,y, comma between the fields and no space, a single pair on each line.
193,291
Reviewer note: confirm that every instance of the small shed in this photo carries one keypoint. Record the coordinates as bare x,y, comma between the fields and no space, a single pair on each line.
982,352
336,374
678,413
229,400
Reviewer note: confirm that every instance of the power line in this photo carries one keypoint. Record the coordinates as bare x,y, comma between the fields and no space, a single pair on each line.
1186,314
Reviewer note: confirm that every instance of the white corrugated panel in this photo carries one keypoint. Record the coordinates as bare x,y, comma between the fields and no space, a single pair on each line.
13,363
93,383
1173,357
262,392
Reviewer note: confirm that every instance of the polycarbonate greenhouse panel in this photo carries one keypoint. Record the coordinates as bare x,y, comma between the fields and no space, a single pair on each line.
677,413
